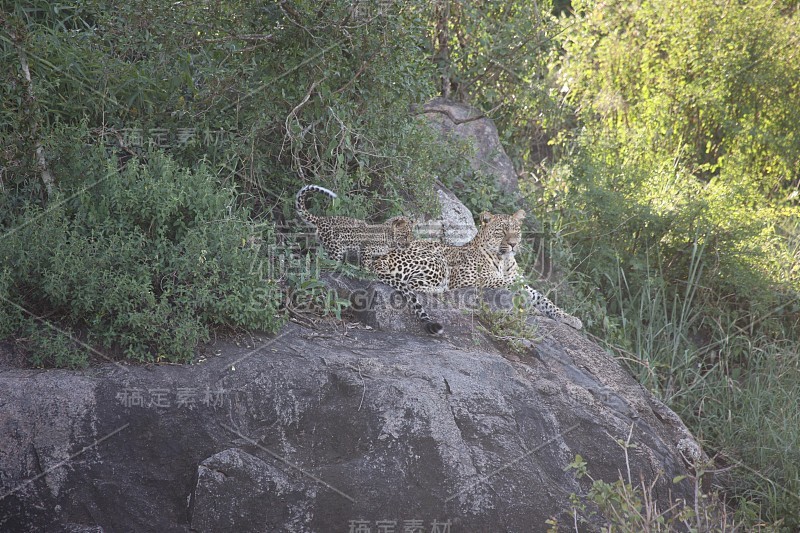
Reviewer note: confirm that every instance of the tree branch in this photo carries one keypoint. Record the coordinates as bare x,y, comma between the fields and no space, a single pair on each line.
47,177
250,37
421,110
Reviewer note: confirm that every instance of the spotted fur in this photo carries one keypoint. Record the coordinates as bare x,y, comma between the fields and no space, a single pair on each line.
433,267
487,261
420,267
341,236
510,272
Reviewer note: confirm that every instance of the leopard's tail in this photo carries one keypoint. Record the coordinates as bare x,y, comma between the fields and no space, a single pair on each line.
300,202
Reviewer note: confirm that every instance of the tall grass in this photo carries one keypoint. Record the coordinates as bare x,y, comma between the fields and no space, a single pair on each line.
737,387
705,317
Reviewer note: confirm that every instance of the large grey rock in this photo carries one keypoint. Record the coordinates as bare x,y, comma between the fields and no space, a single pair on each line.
321,430
454,226
466,122
380,307
237,491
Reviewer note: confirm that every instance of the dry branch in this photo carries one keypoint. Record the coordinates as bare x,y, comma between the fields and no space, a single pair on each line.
47,177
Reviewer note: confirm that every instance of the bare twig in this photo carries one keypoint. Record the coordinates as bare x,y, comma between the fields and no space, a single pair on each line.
293,115
448,114
443,46
363,383
294,17
358,73
47,177
250,37
627,460
303,102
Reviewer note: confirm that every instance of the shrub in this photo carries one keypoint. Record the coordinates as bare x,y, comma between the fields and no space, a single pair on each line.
680,198
145,260
630,507
509,327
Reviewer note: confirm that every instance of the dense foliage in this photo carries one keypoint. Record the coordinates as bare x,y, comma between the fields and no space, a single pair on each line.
657,145
142,263
681,199
240,103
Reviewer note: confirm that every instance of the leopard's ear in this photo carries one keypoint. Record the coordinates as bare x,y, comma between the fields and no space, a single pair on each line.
519,215
401,222
485,217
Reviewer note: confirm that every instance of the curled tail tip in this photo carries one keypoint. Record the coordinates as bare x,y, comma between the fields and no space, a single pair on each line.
300,202
317,188
434,328
574,322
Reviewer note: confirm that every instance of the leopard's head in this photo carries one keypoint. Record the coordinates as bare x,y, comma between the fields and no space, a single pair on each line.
500,234
401,230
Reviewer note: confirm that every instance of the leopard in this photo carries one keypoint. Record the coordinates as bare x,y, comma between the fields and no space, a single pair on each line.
510,273
433,267
341,236
487,261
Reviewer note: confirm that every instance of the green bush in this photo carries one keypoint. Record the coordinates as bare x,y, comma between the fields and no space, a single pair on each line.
10,318
509,327
630,506
679,194
699,297
277,95
144,261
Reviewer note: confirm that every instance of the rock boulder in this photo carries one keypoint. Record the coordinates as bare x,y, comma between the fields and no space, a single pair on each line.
455,225
465,122
331,429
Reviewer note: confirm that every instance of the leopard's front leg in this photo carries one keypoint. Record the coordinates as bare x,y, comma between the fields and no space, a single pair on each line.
510,272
